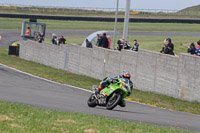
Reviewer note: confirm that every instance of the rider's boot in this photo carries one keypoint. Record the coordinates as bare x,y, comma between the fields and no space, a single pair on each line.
122,103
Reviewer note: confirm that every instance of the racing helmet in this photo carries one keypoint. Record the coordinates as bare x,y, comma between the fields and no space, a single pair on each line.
126,75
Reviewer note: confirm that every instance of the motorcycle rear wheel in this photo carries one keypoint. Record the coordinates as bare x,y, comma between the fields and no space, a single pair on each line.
92,102
113,101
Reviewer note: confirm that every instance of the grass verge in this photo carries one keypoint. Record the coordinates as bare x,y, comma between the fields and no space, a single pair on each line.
87,82
15,23
22,119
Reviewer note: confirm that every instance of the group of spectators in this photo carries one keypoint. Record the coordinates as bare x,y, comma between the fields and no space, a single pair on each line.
39,37
168,48
58,40
103,40
122,44
193,50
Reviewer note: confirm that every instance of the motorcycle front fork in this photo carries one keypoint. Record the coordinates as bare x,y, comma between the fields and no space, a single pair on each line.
101,100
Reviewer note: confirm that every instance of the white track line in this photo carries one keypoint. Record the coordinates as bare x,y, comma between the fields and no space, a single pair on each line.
83,88
44,78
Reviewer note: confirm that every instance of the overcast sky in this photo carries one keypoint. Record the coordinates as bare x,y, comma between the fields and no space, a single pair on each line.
135,4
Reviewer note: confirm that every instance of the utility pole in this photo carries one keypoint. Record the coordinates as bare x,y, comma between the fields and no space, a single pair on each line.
115,28
126,19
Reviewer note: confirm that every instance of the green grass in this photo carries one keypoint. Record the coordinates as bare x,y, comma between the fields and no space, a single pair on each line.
152,43
87,82
192,11
13,23
16,118
162,101
71,40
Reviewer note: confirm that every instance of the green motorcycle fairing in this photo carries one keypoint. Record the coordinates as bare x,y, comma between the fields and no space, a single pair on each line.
122,85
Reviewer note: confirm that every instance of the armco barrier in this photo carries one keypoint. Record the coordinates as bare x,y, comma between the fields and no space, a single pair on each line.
175,76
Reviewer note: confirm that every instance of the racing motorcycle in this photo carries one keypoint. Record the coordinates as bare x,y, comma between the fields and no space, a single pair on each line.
110,96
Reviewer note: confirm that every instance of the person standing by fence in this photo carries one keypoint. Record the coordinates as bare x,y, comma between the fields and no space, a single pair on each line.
169,48
28,31
109,42
88,44
54,39
104,41
192,49
135,46
97,40
198,42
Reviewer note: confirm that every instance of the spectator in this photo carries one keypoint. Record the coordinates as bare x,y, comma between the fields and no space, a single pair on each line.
163,48
98,39
135,46
191,49
54,39
169,48
198,42
120,44
197,52
28,31
109,42
88,44
127,45
40,37
37,37
58,41
104,41
61,40
100,44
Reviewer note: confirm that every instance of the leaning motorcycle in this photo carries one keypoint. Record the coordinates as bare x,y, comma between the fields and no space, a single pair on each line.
110,96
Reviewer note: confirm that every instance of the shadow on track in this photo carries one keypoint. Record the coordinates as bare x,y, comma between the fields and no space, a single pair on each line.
123,111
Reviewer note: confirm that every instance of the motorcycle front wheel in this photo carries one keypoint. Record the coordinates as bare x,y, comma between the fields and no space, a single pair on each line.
92,101
113,101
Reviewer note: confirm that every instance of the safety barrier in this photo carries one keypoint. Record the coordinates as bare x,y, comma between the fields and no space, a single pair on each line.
175,76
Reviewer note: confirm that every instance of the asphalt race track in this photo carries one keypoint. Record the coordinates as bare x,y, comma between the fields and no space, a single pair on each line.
10,36
22,88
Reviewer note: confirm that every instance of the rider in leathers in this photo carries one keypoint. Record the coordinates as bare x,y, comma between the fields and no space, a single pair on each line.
105,83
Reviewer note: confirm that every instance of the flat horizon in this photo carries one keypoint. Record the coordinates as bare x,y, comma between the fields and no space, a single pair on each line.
135,4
